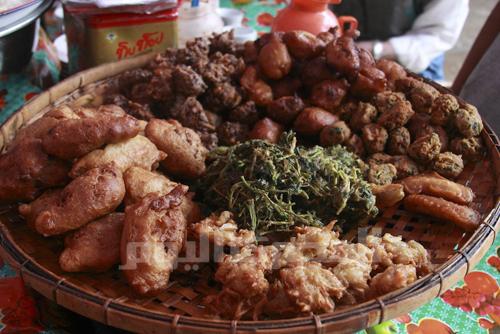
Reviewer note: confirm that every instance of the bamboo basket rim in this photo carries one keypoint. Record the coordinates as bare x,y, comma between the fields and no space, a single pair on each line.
443,277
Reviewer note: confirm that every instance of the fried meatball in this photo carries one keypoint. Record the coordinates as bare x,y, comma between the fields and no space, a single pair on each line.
393,72
274,59
417,123
185,151
364,114
395,110
448,164
232,133
342,54
187,82
443,107
471,149
315,71
288,86
222,68
381,174
374,137
369,82
335,134
267,130
425,148
223,97
379,158
312,120
190,113
355,145
346,110
422,97
285,109
301,44
245,113
468,121
399,140
328,94
404,165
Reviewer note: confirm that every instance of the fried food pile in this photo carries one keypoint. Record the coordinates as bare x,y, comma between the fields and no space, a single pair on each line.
115,179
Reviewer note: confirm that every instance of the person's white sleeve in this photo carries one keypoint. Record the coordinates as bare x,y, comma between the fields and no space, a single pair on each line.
434,32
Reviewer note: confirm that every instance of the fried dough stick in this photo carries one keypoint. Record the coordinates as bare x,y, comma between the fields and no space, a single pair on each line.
88,197
435,185
95,247
153,235
461,215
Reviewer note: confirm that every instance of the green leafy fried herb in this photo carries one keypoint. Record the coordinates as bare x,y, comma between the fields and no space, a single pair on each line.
273,187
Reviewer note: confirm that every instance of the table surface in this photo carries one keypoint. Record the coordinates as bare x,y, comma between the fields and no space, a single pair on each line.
472,306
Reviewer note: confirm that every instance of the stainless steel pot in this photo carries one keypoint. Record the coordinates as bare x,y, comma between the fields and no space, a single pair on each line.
17,37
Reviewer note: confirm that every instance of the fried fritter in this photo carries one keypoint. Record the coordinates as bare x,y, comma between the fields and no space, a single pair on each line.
390,250
393,278
140,182
443,108
138,151
72,138
27,170
382,174
461,215
425,148
468,121
374,137
185,151
448,164
404,165
435,185
95,247
88,197
222,230
399,140
337,133
364,114
154,233
471,149
395,110
388,195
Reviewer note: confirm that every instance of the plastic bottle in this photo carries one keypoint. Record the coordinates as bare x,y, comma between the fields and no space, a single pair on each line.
198,21
312,16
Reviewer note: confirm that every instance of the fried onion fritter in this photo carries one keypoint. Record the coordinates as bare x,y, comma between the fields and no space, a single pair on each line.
138,151
88,197
393,278
154,233
95,247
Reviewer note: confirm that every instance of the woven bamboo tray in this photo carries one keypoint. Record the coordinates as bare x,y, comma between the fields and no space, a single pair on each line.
107,298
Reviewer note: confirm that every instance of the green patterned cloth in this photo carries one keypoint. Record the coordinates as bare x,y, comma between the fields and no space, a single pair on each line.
471,307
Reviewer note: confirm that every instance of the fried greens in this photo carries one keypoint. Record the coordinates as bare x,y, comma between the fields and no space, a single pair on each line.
274,187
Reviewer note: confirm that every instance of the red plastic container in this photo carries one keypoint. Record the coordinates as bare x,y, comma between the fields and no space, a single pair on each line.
312,16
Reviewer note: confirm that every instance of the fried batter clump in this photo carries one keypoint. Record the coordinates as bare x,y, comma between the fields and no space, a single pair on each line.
425,148
394,277
448,164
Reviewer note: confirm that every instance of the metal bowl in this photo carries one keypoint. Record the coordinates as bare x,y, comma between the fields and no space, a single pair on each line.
18,36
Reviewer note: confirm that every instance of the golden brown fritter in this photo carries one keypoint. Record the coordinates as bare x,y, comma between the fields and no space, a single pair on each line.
471,149
355,145
72,138
461,215
364,114
374,137
329,94
382,173
425,148
222,230
395,110
435,185
393,278
185,151
443,109
388,195
404,165
27,170
399,140
390,250
369,82
311,288
335,134
448,164
138,151
468,121
88,197
154,233
94,247
420,94
140,182
393,72
243,277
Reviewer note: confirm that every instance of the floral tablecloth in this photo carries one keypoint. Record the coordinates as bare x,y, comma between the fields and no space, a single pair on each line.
473,306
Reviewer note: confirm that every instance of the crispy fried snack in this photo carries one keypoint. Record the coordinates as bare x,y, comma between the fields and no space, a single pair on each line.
388,195
95,247
435,185
390,250
153,235
461,215
27,170
222,230
394,277
88,197
185,151
72,138
138,151
140,183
